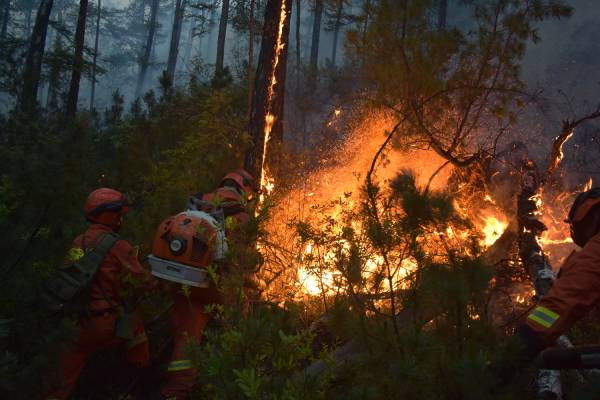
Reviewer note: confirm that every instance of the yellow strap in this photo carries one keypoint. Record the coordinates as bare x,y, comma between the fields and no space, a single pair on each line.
137,340
180,365
543,316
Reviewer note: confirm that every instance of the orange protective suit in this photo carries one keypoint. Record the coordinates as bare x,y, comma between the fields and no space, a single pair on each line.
188,318
573,294
97,327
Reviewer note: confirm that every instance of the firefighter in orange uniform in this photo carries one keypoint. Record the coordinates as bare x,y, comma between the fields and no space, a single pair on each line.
577,288
189,317
104,209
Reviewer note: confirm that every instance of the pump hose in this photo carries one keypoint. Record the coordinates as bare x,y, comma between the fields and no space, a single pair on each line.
581,357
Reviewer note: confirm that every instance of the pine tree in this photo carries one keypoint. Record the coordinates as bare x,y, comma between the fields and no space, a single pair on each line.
175,38
73,95
224,20
150,38
314,48
5,19
335,15
95,57
267,99
35,54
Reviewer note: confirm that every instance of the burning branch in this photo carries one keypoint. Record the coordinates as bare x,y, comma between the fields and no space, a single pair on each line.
568,130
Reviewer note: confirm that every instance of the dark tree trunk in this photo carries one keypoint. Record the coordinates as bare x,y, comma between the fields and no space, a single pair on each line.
54,79
73,96
442,14
35,54
266,119
28,19
365,27
93,94
175,38
5,19
298,48
55,72
222,34
336,31
250,57
145,61
316,36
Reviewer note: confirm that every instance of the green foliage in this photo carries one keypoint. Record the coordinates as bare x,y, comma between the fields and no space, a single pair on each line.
444,85
164,150
257,357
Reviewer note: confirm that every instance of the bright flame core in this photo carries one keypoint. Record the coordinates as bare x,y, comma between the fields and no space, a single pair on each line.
493,229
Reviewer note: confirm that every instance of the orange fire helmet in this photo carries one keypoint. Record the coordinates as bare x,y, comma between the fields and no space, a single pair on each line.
105,206
243,179
583,204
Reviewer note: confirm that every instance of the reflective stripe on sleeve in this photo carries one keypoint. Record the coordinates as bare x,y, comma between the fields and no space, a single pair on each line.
543,316
180,365
137,340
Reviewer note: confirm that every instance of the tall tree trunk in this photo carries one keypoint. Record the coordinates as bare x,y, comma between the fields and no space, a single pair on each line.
190,43
298,48
211,29
28,19
316,36
54,78
73,96
5,19
54,73
222,34
250,57
35,54
442,14
175,38
93,94
266,120
145,61
365,27
367,14
336,31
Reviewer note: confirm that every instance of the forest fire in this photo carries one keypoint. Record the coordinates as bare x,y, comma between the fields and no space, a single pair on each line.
326,194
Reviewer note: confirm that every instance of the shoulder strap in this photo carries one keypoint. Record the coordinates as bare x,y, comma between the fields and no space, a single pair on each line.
103,246
71,281
93,258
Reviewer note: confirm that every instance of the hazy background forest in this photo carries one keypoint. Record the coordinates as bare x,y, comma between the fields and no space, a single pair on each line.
395,253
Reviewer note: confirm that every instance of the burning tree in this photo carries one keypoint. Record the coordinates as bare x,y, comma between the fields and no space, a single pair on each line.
266,118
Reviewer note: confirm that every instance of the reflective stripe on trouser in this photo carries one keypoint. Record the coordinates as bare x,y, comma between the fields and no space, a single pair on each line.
188,321
543,316
180,365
